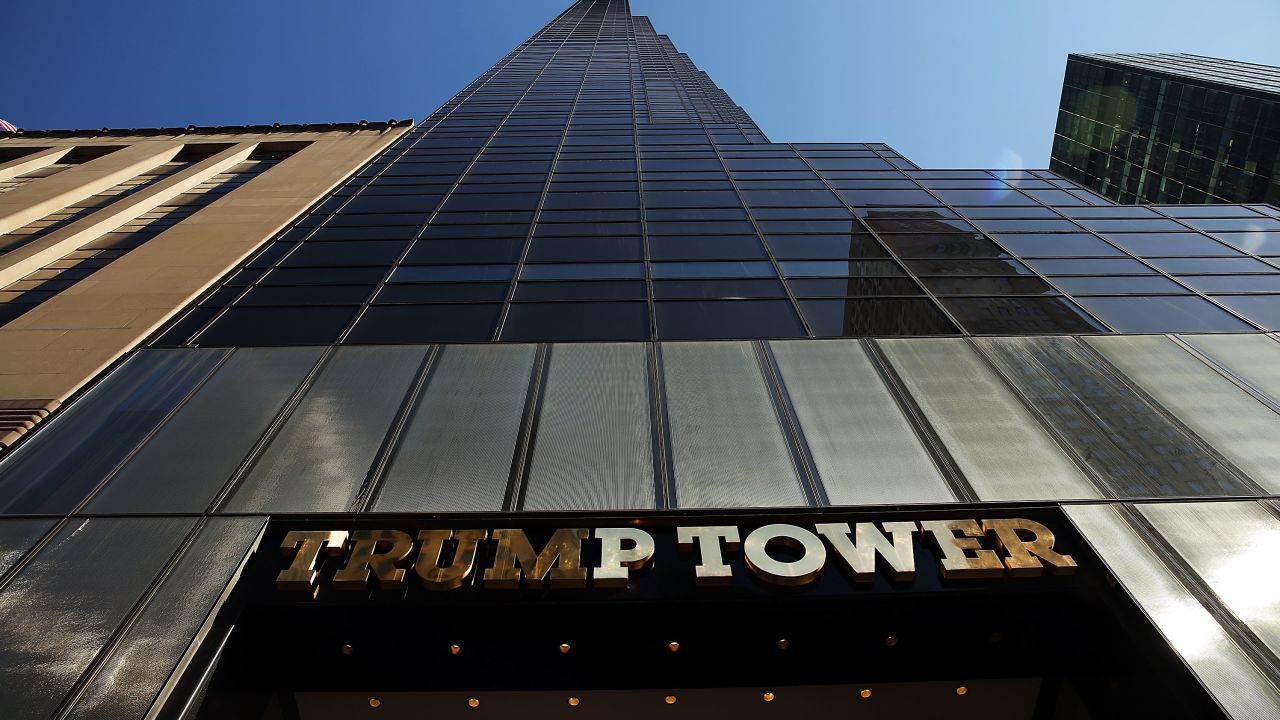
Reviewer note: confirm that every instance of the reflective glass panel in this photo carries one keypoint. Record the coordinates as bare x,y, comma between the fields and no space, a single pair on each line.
1234,423
727,447
995,440
593,449
856,433
455,452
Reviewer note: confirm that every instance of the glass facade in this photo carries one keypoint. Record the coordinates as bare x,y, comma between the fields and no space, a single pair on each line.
1170,128
588,291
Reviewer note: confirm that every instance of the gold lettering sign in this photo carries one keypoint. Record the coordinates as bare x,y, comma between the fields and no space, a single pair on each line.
1023,554
377,552
458,572
304,547
711,570
775,554
859,555
802,571
616,563
559,559
956,559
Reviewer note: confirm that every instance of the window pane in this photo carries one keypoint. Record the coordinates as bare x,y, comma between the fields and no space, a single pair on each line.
708,247
307,295
426,323
268,326
1086,266
1112,284
1185,623
968,266
854,428
455,453
1264,310
727,448
1256,358
995,440
718,288
1234,423
854,287
366,252
1169,244
320,457
17,537
451,273
176,473
52,472
680,320
593,449
997,315
860,317
825,246
1223,543
574,249
1233,283
1258,243
581,290
1133,445
77,590
839,268
1163,313
1212,265
582,271
1059,245
476,250
973,285
712,269
441,292
149,651
567,321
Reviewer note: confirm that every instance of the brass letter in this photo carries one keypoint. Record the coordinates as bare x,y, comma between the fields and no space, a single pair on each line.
302,573
459,572
377,550
798,572
956,561
1023,553
561,559
711,569
859,556
616,564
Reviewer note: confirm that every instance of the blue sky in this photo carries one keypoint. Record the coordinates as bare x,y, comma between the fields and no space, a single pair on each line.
950,84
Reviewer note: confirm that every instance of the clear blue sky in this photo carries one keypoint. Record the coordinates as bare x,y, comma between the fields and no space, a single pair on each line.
948,83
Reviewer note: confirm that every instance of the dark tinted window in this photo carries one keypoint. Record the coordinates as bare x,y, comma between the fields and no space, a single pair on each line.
550,322
878,317
678,320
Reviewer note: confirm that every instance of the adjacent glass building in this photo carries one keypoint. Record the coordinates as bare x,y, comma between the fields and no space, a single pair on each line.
1170,128
588,298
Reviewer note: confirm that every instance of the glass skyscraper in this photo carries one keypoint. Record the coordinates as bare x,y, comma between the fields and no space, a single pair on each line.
1170,128
585,397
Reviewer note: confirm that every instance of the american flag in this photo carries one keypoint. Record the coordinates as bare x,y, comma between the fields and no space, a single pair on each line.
6,126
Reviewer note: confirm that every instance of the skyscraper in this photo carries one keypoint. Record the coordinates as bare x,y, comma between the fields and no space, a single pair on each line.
584,396
1170,128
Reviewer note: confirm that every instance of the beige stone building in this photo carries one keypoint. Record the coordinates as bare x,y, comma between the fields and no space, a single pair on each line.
105,235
